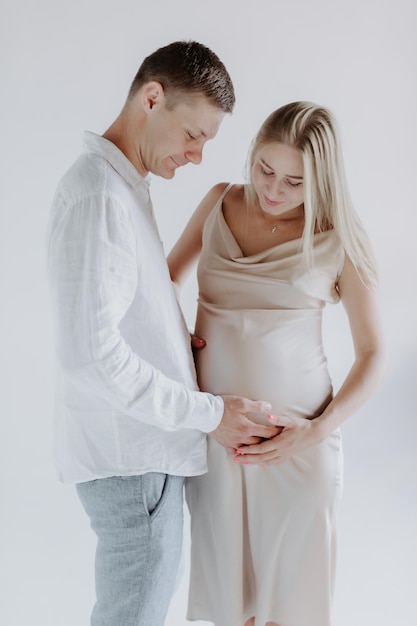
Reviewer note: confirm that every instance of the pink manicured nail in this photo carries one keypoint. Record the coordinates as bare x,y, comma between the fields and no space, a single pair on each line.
271,418
239,451
245,463
236,460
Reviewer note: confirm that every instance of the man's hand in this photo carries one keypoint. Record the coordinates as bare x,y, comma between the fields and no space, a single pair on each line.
236,429
296,435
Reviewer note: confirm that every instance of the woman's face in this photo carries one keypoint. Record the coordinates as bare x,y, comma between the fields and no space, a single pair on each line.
277,177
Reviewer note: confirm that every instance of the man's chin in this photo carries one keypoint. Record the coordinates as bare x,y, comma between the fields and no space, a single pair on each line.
163,173
168,174
166,170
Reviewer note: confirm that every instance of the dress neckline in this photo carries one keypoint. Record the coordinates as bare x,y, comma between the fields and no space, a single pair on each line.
240,256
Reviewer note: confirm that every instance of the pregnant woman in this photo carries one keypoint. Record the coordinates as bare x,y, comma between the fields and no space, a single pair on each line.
272,253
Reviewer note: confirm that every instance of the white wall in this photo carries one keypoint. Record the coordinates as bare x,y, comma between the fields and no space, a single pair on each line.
66,67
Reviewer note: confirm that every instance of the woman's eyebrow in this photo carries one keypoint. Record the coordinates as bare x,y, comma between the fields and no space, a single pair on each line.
288,175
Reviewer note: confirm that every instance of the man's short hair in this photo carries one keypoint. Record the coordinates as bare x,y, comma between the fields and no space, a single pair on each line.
187,68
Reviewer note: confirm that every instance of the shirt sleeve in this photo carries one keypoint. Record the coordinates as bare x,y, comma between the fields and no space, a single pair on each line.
93,274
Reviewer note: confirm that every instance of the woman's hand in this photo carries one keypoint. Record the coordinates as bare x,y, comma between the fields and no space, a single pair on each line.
196,342
297,434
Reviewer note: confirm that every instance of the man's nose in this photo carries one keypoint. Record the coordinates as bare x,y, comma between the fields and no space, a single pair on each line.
195,155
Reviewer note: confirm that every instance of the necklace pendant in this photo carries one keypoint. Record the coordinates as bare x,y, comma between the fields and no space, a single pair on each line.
273,229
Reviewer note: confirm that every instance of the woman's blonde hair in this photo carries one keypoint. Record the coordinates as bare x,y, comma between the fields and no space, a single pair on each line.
327,204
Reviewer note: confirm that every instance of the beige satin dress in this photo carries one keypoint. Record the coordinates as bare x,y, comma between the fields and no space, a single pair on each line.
263,538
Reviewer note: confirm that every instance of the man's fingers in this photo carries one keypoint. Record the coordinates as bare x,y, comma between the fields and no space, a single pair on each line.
251,440
256,406
238,429
264,432
259,448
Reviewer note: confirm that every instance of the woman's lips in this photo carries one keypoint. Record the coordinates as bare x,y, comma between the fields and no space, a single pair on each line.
272,202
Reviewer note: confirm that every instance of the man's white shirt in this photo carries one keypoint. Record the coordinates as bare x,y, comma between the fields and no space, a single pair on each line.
127,400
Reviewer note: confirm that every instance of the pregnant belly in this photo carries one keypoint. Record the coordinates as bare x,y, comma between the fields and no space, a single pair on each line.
274,355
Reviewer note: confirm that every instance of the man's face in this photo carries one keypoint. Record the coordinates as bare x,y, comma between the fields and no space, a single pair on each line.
173,138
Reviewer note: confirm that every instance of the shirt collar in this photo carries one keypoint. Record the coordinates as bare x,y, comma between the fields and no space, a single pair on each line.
111,153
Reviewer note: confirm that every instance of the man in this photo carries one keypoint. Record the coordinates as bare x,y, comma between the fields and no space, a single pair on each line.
130,422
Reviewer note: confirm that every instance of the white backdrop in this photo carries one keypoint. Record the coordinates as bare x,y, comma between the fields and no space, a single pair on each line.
66,67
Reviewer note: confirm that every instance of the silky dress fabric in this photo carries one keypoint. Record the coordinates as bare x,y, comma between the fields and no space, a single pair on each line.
263,538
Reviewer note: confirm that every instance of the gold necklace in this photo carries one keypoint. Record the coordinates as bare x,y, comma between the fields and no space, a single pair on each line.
273,228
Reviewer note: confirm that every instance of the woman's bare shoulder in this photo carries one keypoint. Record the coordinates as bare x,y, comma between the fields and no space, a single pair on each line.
233,201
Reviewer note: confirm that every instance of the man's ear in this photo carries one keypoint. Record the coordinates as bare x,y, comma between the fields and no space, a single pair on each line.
152,95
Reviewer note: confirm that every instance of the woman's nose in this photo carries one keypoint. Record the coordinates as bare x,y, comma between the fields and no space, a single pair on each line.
276,187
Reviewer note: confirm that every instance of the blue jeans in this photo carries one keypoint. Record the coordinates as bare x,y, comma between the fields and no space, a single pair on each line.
138,521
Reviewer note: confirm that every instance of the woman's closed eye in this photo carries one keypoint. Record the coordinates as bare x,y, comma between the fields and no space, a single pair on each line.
266,172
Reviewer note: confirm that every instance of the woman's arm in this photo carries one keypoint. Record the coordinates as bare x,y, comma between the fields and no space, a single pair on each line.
362,308
187,249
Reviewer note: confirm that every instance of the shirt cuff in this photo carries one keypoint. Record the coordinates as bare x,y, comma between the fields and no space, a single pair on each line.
208,412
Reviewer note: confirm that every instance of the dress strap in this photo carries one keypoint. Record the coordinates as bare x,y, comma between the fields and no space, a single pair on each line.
220,200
